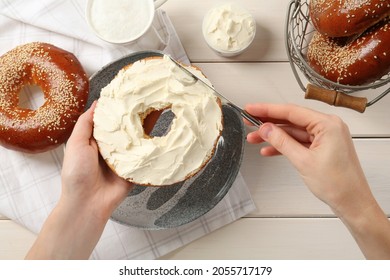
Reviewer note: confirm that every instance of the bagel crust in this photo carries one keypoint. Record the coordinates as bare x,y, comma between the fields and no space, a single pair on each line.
65,88
352,62
340,18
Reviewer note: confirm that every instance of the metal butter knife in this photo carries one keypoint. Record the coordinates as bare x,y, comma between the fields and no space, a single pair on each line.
224,100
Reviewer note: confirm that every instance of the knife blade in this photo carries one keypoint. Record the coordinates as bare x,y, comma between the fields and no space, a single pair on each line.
253,120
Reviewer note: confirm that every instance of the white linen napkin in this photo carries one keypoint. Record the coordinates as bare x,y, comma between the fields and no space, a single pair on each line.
30,183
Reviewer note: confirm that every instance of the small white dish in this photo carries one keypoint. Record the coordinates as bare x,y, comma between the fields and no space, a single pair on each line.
121,21
229,29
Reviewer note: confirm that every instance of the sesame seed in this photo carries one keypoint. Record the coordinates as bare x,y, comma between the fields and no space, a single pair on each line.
334,58
33,63
350,15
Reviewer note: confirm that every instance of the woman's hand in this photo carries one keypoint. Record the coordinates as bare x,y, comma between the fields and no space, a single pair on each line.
86,178
320,147
90,193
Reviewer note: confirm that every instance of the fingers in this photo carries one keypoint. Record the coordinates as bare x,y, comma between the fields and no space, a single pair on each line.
301,135
282,142
268,151
82,131
119,187
284,113
298,134
291,139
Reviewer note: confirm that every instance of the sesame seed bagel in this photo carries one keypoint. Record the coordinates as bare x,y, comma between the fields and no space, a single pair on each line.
65,88
148,85
352,62
340,18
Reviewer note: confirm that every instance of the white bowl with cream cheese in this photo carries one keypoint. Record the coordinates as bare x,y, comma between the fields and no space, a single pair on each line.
229,29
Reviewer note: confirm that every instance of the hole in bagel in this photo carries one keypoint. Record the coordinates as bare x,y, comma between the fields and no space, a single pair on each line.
157,123
31,97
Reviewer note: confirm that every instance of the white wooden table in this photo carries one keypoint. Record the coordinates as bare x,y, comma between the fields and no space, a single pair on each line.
289,223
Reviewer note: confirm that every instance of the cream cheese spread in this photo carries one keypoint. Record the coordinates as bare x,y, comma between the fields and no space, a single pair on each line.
229,28
194,132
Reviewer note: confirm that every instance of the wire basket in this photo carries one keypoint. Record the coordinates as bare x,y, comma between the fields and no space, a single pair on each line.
299,31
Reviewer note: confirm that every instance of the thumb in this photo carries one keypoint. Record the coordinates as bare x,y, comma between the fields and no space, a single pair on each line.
282,142
83,129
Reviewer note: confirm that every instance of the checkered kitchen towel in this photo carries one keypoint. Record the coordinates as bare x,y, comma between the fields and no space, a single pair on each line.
30,184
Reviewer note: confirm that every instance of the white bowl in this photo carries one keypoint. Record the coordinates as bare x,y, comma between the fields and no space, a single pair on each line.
218,29
111,18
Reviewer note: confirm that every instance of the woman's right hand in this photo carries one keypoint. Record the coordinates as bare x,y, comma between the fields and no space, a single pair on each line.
321,148
318,145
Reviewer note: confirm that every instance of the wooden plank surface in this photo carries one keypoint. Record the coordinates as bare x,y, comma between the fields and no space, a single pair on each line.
15,240
265,82
274,238
247,238
302,217
274,83
268,44
278,191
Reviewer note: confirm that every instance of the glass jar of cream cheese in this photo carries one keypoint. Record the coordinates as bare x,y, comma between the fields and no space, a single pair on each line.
229,29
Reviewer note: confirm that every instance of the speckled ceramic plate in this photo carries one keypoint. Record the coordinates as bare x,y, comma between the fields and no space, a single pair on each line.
178,204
